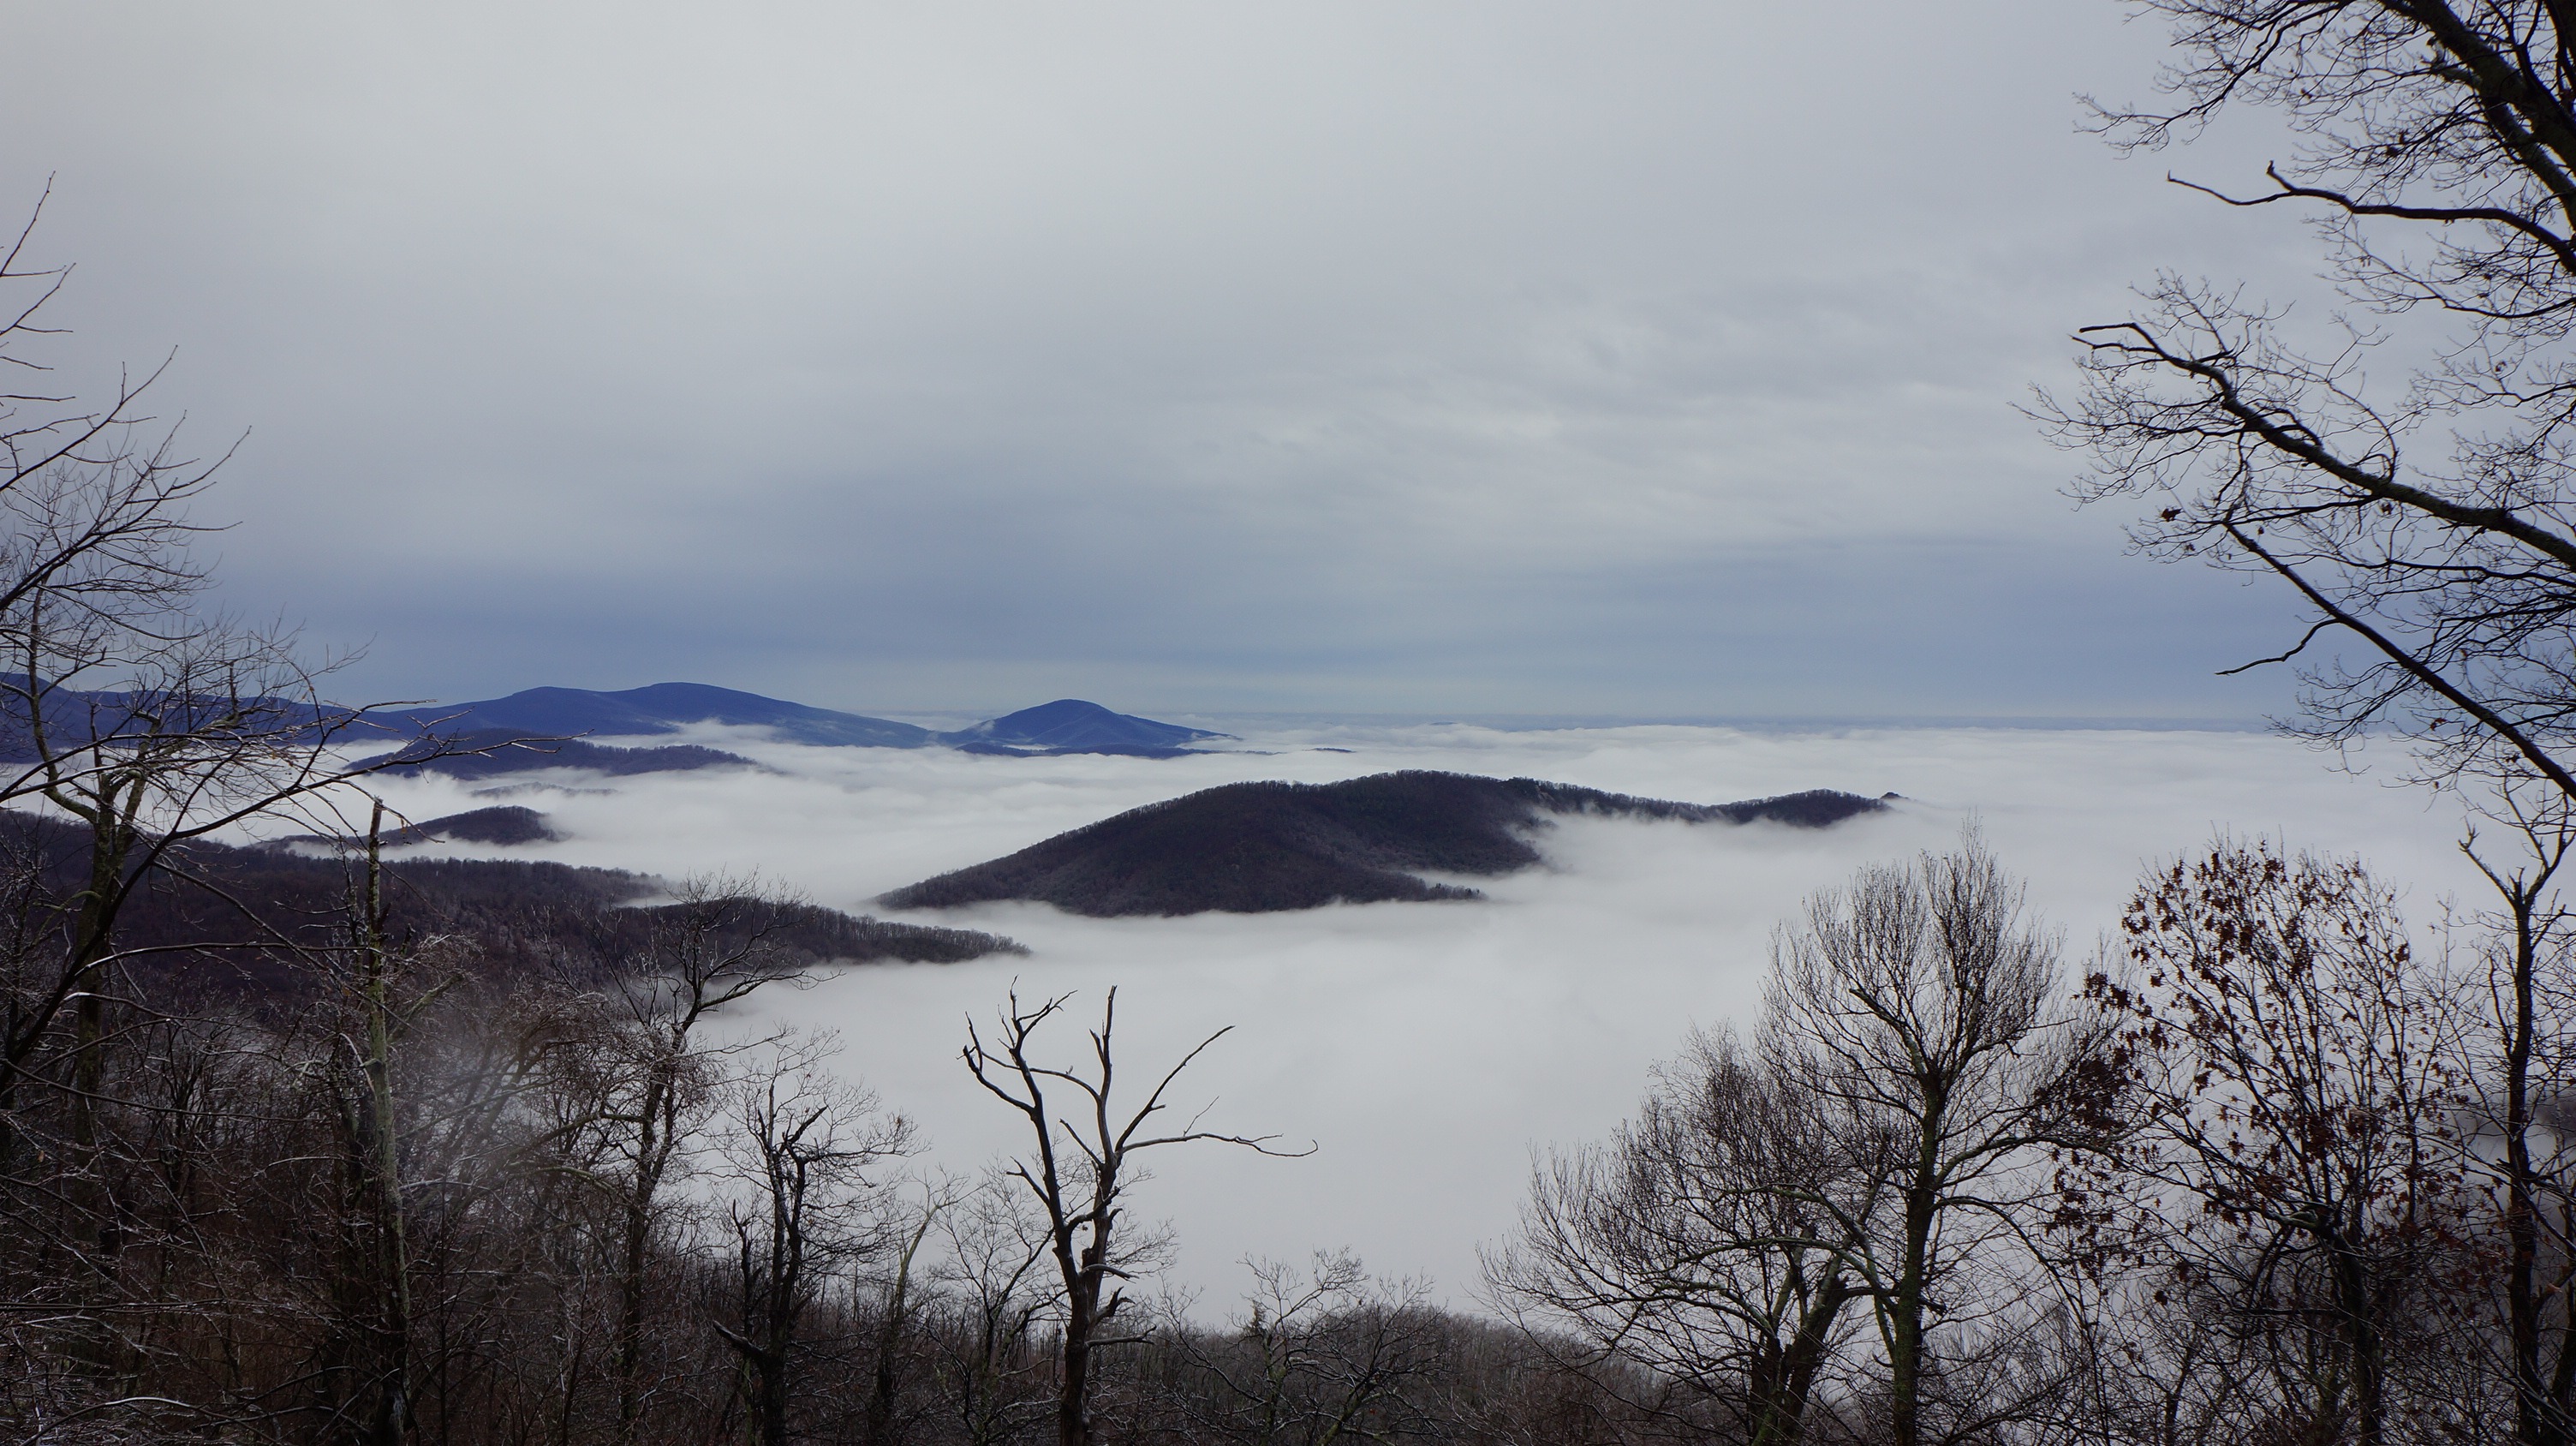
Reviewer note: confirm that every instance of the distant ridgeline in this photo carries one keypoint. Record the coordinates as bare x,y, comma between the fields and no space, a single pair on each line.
74,718
504,730
1067,725
1251,848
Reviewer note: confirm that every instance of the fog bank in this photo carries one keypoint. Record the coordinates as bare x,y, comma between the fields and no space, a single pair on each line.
1427,1049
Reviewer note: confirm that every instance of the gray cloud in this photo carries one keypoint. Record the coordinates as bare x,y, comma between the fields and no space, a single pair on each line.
1445,356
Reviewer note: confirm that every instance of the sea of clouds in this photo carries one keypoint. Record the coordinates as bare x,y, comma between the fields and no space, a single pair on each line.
1427,1050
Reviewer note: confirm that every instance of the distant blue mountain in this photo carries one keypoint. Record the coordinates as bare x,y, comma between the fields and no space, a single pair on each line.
115,718
1067,725
664,708
1070,725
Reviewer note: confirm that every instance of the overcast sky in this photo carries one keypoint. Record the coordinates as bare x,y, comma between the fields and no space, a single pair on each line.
1643,359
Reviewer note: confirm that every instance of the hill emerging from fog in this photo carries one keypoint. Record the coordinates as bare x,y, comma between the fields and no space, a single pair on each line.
284,908
503,752
502,827
1254,848
1070,725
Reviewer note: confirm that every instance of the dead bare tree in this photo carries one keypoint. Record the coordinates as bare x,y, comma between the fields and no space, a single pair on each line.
802,1145
1079,1171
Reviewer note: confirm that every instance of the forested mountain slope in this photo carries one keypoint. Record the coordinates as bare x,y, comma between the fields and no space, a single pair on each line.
1250,848
255,919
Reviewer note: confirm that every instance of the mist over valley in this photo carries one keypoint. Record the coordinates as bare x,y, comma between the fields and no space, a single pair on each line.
1464,724
1425,1048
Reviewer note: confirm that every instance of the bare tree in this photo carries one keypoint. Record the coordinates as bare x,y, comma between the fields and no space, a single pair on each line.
998,1283
124,702
2429,523
2281,1114
2519,1063
1319,1355
377,1155
1079,1171
1917,1007
94,498
431,1096
803,1147
900,1308
1708,1243
714,946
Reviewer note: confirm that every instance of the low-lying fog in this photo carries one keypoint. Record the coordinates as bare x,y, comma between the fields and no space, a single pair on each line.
1427,1049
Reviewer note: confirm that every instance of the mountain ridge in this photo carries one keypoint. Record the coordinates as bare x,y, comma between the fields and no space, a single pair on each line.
658,708
1276,846
1064,726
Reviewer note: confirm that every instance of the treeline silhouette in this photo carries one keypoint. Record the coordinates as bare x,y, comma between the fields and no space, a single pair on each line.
2253,1176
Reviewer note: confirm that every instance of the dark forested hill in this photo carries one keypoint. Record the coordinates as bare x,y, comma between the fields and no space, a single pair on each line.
505,825
514,917
505,752
1250,848
502,826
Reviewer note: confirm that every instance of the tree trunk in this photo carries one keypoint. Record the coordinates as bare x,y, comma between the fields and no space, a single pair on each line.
382,1148
628,1366
88,1194
1073,1406
1782,1407
881,1396
773,1400
1081,1318
635,1254
2537,1417
1905,1309
2361,1336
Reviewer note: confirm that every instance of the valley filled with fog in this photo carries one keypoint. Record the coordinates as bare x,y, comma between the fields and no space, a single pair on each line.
1425,1049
